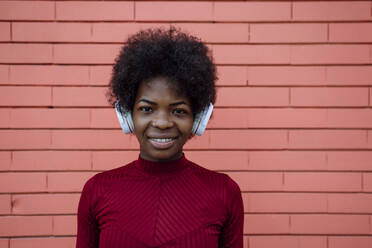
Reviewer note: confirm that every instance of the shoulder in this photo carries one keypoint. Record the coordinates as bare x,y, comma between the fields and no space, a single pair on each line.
205,173
220,180
101,178
118,172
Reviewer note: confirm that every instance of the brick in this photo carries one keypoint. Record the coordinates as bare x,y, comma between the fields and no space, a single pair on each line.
5,205
268,118
92,139
266,224
22,182
330,54
94,11
51,160
287,241
231,75
5,117
25,226
350,203
5,31
51,32
287,160
349,160
220,160
322,181
330,224
25,139
4,243
288,33
65,225
104,118
349,75
85,53
252,97
26,10
350,118
367,182
25,53
258,181
345,242
251,54
252,11
240,139
5,160
287,118
350,32
79,96
332,10
286,75
25,96
285,203
49,75
100,75
117,32
217,32
245,242
76,180
45,204
4,74
329,96
174,11
49,118
106,160
331,139
229,118
56,242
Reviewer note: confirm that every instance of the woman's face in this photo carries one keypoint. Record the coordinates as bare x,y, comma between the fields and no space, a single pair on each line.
162,120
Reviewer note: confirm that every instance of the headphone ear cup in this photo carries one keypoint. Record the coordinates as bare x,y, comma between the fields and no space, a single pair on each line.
201,120
125,119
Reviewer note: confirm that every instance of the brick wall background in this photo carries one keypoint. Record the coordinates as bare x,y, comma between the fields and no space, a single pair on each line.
293,113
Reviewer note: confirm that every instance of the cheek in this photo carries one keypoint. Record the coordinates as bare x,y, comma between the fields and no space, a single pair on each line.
139,126
187,127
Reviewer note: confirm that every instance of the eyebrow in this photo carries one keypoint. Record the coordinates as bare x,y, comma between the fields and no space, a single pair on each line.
154,103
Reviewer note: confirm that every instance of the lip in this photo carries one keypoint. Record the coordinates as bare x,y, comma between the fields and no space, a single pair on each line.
162,142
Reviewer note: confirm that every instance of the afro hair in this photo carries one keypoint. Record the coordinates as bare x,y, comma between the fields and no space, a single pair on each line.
181,58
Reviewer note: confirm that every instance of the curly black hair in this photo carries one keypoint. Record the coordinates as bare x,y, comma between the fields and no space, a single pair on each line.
181,58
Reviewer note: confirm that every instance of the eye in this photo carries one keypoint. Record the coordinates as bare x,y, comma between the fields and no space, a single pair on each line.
145,109
179,111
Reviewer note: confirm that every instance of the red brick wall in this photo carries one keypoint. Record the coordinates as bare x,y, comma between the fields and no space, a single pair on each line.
293,113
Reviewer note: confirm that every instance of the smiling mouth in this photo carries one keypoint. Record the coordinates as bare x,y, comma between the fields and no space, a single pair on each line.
162,143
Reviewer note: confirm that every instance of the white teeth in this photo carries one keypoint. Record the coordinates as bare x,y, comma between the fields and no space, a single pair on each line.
162,140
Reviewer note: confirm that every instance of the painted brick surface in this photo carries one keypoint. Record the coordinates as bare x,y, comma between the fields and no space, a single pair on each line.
292,122
48,75
5,31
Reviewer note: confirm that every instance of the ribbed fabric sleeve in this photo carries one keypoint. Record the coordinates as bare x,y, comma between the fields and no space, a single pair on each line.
88,231
232,231
147,204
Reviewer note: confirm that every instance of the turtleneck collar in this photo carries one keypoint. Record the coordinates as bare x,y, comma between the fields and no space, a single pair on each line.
161,168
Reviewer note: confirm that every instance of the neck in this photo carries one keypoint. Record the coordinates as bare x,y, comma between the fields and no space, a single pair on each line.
162,167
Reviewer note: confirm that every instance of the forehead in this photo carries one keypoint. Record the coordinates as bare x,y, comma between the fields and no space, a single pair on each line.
160,88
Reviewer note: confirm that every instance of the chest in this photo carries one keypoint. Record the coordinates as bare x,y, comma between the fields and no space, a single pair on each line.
161,212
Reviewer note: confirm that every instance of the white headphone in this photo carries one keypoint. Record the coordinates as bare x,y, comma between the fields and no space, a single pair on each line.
198,127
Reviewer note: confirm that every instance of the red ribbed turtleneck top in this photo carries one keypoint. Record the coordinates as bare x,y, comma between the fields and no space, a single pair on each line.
152,204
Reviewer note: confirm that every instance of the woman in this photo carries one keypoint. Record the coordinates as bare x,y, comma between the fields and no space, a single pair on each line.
163,88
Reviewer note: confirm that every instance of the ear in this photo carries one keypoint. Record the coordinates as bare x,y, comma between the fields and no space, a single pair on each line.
201,120
125,118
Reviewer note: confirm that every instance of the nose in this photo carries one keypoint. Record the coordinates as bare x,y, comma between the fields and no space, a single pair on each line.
162,121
